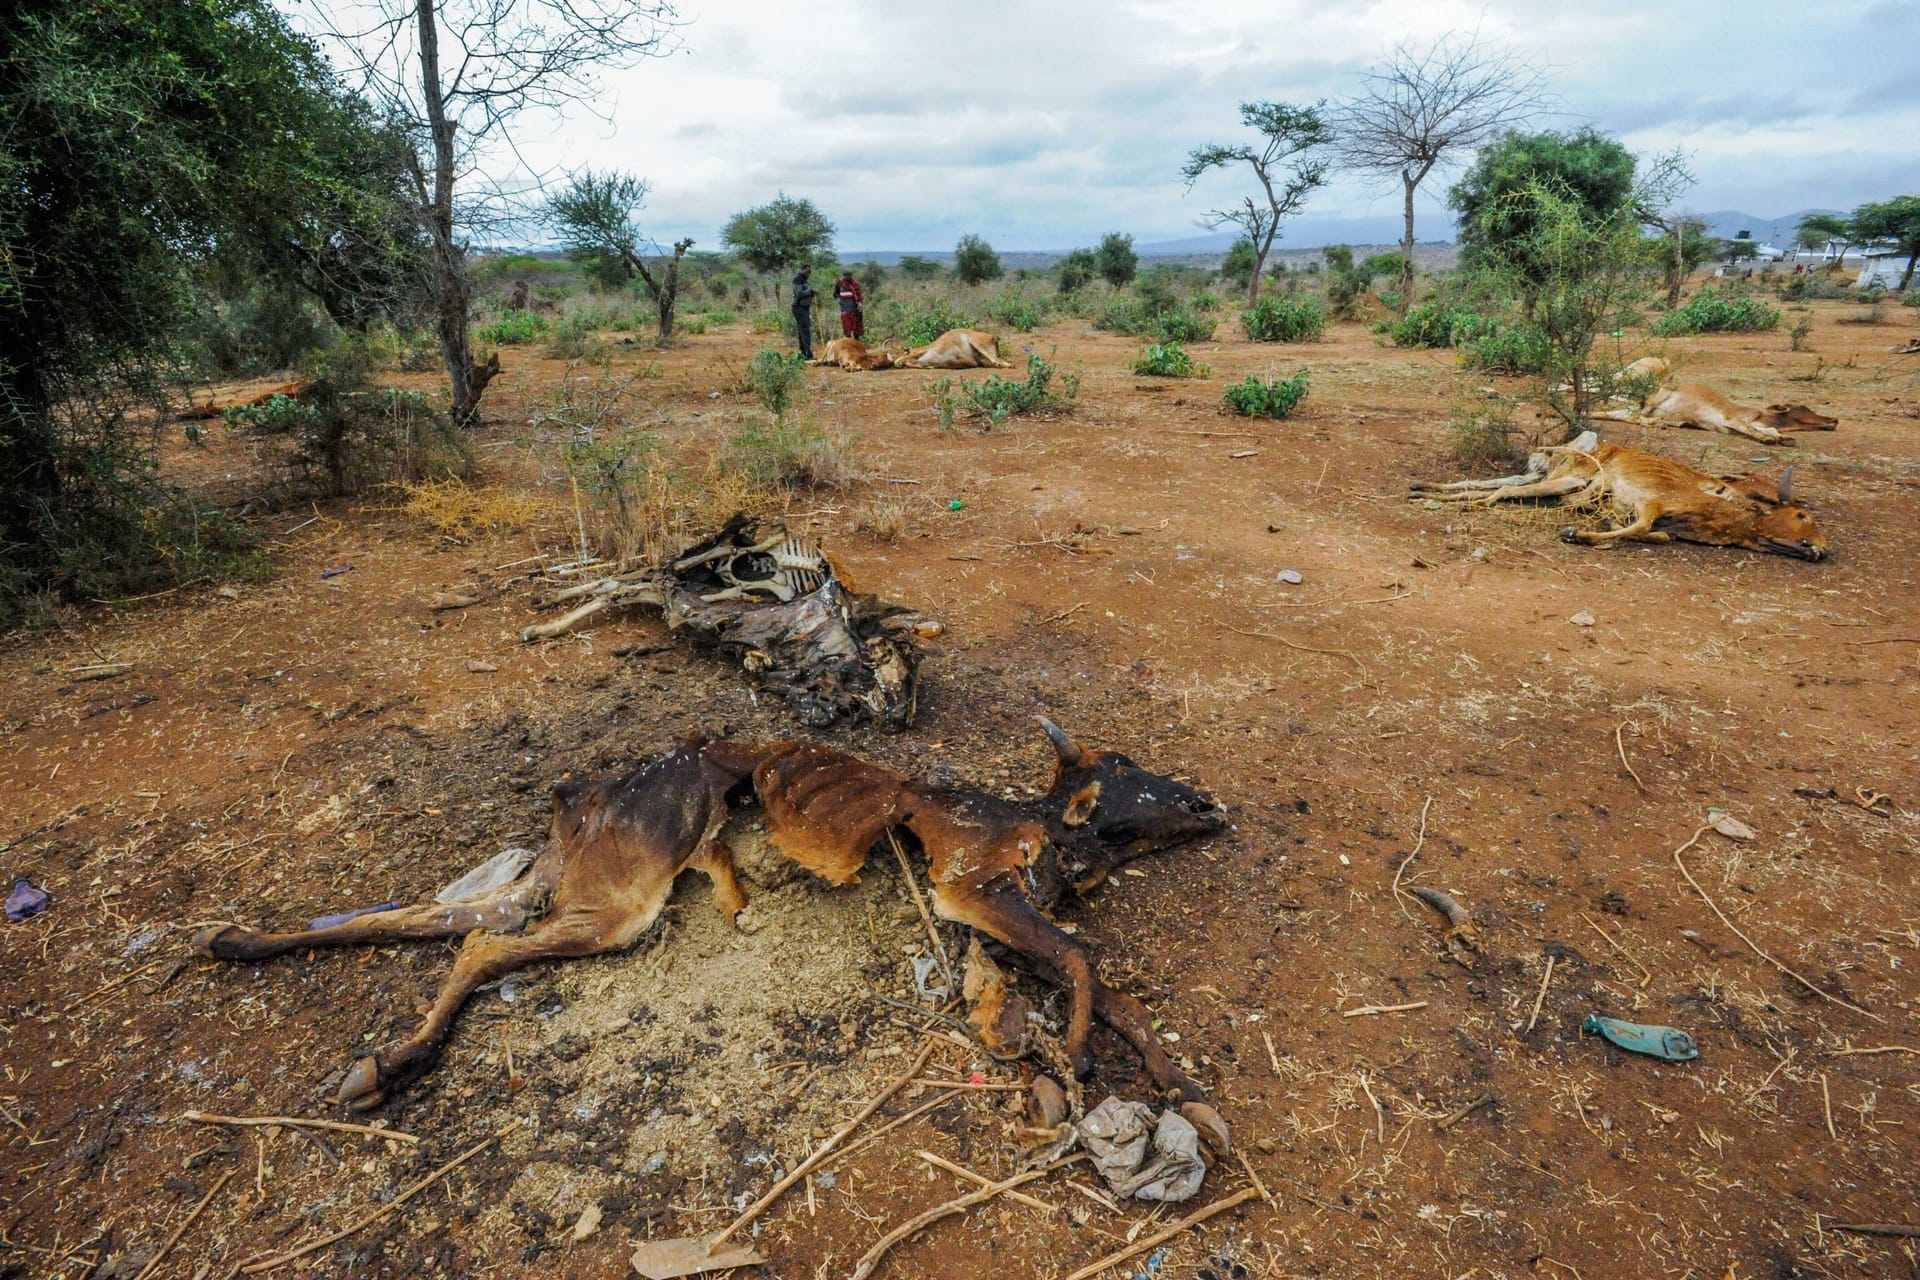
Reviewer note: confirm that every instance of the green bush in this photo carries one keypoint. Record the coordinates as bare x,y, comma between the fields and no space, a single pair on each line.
772,320
1204,302
1180,325
723,315
1433,324
777,379
929,321
1518,348
998,399
1283,320
1014,310
343,436
1168,360
1257,399
1137,318
1710,311
510,328
574,338
1484,436
692,326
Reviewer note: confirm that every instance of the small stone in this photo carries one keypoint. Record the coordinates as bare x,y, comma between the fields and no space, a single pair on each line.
480,668
1291,577
588,1223
713,395
1266,1146
1584,618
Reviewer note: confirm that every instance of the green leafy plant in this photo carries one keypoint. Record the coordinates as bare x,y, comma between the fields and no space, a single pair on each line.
574,338
511,328
935,317
1255,398
1433,324
1518,347
1283,320
1712,311
1168,360
1014,310
1485,437
1797,335
778,380
997,399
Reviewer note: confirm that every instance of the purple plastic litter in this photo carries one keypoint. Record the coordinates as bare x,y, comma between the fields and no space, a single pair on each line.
27,900
341,917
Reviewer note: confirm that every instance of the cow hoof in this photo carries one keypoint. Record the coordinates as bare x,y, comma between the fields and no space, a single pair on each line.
208,942
361,1090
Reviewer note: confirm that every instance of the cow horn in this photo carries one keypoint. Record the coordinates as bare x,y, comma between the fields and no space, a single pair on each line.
1786,484
1070,752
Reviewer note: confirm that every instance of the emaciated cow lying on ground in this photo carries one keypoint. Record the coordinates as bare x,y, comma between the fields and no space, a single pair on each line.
618,843
1692,405
855,356
1657,498
956,349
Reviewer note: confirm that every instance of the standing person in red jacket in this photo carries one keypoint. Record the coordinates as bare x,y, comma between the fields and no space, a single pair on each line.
846,290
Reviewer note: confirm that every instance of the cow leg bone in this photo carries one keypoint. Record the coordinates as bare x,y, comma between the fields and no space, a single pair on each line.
565,622
566,934
508,907
1002,913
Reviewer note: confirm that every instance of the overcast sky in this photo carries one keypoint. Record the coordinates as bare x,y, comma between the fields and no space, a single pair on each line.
1043,125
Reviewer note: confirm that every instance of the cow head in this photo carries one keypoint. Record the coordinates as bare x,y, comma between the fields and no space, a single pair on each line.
1104,810
1784,526
1796,417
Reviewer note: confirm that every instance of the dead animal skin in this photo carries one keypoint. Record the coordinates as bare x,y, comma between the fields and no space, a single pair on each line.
618,843
1660,499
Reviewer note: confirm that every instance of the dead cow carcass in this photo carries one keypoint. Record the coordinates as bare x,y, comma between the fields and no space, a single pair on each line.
1658,499
775,604
618,843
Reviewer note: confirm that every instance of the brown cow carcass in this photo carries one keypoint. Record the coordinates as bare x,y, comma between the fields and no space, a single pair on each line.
956,349
855,356
1692,405
1655,499
618,843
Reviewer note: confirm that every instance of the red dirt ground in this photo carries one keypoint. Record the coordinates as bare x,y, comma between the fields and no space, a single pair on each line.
313,744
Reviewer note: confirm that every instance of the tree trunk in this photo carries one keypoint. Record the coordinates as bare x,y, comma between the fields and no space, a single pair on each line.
1907,279
465,380
1406,246
1678,276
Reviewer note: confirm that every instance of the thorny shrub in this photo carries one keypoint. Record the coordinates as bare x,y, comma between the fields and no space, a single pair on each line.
1168,360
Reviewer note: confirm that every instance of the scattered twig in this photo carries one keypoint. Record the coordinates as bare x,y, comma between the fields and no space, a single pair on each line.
1145,1243
1833,999
960,1170
1273,1055
926,917
1621,746
820,1153
1458,1114
1881,1048
1369,1009
153,1263
1854,644
1063,614
392,1206
896,1122
1379,1112
122,980
871,1259
1365,676
297,1122
1401,869
1258,1185
1826,1101
1875,1229
1540,997
1647,974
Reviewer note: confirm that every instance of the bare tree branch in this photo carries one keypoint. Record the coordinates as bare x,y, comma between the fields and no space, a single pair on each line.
1425,109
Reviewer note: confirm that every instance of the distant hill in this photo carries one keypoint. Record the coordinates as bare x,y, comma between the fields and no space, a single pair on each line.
1727,223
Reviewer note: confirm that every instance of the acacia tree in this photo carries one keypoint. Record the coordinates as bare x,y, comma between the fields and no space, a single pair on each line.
781,233
1821,227
460,75
595,218
1424,110
1895,223
1118,263
975,262
1287,163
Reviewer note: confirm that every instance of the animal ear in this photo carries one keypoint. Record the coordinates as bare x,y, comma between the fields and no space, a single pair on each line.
1080,808
1068,750
1786,484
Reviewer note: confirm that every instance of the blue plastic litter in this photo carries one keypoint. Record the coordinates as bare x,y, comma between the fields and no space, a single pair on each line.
1670,1043
1151,1268
27,900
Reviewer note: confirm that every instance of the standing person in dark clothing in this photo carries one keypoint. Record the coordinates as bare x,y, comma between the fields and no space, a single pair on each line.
853,320
803,295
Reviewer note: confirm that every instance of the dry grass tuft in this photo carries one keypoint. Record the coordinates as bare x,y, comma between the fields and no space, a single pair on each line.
454,509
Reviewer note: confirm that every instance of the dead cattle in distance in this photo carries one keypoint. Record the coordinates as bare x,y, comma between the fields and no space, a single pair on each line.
1657,498
1693,405
855,356
956,349
617,844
